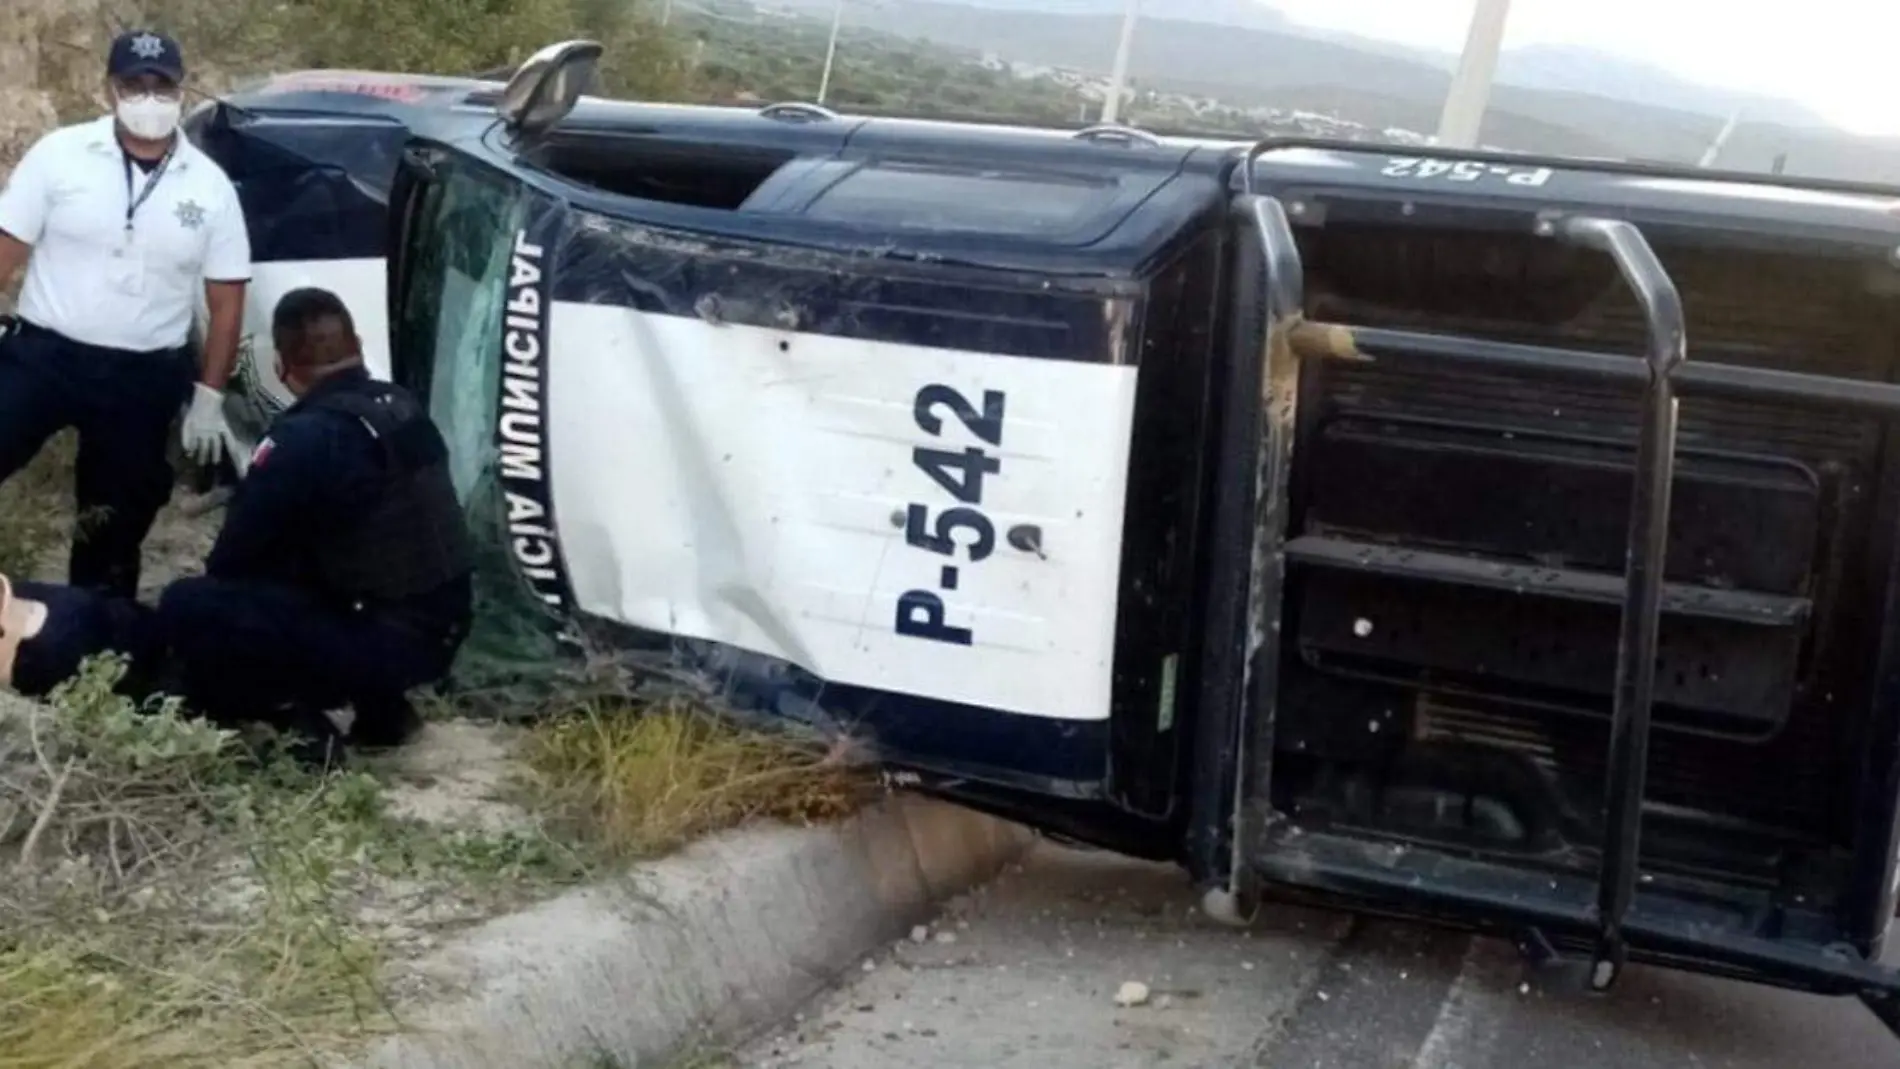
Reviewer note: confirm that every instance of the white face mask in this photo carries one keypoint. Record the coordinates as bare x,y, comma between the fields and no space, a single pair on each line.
148,117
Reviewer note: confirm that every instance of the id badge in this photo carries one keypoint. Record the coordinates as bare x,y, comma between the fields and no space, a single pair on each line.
127,271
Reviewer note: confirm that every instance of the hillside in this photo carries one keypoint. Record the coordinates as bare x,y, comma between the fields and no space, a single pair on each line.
748,56
1247,14
1554,100
1563,68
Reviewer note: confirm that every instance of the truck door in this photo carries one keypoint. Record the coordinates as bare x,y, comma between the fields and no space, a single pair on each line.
854,437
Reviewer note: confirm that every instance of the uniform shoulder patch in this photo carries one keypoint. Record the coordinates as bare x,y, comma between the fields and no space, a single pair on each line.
262,452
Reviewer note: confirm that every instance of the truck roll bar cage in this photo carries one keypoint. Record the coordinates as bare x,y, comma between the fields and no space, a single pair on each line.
1662,374
1666,350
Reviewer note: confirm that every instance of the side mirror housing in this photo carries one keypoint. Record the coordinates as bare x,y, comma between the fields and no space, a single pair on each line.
545,88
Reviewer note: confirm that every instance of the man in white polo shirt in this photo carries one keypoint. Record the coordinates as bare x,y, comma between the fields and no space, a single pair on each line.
119,222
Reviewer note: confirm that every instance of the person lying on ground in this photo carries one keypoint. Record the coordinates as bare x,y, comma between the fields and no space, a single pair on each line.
341,575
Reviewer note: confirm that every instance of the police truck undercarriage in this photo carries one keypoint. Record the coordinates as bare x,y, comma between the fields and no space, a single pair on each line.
1497,541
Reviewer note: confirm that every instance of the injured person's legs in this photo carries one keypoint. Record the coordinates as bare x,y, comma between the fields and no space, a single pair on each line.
234,651
50,630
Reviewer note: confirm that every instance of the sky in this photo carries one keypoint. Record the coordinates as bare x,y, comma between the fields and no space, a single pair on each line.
1835,56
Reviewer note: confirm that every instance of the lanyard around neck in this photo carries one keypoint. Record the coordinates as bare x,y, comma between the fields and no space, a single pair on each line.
133,203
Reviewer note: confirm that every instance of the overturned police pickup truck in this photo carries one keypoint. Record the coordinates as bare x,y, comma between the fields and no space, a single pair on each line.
1500,541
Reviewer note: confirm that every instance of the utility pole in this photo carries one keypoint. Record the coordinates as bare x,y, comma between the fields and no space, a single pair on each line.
1118,79
831,49
1463,118
1721,139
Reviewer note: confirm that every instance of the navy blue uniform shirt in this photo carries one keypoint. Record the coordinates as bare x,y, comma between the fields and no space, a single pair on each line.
311,473
317,471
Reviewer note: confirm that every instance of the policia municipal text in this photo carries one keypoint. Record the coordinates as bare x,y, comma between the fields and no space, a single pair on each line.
341,576
119,222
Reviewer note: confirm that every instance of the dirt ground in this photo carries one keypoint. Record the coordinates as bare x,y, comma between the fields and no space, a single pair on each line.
180,540
457,778
456,775
178,544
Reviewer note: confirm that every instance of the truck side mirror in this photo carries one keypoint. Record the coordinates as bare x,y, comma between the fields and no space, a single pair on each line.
547,86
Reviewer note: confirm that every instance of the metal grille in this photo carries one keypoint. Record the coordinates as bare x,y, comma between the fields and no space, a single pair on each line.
1785,786
1771,311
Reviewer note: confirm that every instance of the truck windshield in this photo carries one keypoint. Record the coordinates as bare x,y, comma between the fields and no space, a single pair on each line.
450,294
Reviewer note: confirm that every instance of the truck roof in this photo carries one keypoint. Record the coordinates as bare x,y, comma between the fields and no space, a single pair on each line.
1768,206
458,110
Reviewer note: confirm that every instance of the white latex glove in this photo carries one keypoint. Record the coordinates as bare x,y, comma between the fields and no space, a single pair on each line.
205,430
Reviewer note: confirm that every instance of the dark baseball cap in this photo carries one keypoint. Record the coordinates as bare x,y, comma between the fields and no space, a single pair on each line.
137,52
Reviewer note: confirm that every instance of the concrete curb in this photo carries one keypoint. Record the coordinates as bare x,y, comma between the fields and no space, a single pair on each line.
730,934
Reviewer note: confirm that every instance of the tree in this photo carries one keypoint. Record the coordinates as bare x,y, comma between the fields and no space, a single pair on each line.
452,37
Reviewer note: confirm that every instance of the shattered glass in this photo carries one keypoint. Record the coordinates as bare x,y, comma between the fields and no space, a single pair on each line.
451,310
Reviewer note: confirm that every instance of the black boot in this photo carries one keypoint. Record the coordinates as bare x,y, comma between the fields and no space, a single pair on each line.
310,738
384,723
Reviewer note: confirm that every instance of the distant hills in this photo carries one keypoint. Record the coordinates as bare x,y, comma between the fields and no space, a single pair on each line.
1245,14
1548,98
1568,69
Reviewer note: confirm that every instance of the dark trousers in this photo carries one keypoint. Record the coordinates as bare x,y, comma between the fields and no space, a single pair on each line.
241,647
122,404
79,624
242,651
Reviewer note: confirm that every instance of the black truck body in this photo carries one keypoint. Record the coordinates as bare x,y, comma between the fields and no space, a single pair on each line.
1498,541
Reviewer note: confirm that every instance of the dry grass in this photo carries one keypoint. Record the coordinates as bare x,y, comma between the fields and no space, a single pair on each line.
640,781
36,515
252,1002
167,899
170,898
171,895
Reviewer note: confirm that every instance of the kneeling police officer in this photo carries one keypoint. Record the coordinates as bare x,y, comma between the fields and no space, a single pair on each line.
342,572
341,576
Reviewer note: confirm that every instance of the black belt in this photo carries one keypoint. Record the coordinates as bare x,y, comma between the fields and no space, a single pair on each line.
26,328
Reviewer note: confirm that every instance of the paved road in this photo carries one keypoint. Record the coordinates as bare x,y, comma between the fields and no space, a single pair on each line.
1024,975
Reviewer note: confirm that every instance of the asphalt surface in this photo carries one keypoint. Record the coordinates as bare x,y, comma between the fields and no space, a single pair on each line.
1025,975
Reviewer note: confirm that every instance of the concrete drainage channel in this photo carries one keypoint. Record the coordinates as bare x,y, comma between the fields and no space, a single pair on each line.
729,935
